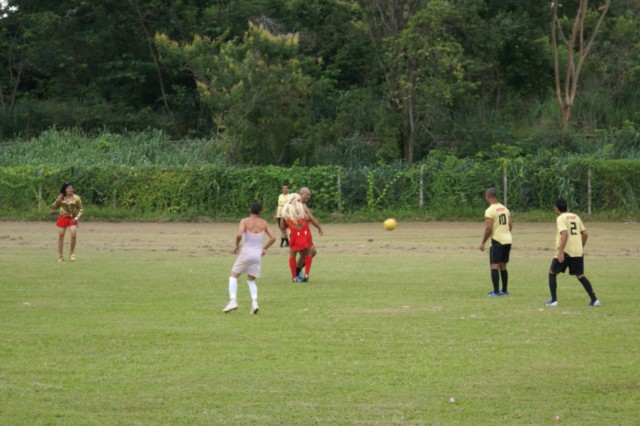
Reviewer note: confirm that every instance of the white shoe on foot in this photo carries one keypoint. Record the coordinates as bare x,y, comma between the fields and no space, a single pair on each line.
254,308
230,307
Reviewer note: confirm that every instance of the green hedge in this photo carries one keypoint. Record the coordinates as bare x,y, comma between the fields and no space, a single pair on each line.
448,184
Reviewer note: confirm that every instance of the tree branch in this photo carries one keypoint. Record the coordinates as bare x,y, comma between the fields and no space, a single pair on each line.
555,23
152,52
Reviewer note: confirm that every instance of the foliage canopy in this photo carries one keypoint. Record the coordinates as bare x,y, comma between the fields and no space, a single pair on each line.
305,82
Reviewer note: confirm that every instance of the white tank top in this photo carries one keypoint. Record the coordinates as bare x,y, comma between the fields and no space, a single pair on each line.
251,245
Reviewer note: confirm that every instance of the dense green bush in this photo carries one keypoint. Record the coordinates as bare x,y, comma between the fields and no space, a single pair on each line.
618,184
148,175
448,184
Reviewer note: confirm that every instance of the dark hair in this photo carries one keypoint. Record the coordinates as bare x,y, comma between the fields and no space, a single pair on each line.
561,204
491,193
63,188
256,208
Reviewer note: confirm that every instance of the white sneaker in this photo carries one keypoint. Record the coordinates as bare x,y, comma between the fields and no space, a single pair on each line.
254,308
595,303
552,303
231,306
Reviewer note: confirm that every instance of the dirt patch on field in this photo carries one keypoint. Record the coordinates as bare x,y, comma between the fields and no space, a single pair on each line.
218,239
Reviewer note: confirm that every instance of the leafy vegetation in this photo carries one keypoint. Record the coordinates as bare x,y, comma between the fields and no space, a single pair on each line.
320,81
148,175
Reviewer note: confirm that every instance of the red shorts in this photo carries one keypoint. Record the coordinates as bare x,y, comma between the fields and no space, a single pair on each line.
299,239
66,221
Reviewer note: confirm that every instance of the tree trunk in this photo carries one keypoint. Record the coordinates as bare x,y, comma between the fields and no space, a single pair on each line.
566,118
576,46
16,86
152,52
410,126
386,19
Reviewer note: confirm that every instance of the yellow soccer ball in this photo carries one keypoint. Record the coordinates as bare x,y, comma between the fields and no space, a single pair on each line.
390,224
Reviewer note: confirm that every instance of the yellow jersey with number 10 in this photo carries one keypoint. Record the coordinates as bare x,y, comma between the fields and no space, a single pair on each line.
500,216
572,224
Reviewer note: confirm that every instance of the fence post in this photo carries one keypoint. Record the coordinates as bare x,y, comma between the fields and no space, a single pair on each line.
40,172
339,185
422,185
589,190
504,184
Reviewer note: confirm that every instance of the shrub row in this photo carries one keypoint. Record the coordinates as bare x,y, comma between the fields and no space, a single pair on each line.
442,182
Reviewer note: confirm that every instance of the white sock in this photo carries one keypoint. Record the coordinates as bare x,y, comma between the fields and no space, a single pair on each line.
233,289
253,289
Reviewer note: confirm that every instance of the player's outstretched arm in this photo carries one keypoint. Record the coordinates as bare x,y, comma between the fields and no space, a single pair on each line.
313,220
272,239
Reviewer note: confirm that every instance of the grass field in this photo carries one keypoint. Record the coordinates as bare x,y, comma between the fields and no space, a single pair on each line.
391,326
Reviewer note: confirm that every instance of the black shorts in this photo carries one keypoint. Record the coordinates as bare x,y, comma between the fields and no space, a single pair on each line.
499,253
575,265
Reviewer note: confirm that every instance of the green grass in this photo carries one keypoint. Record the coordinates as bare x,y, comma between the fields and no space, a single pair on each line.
391,325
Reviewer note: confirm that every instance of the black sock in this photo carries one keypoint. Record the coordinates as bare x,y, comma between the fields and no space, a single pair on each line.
286,242
587,286
553,286
298,270
504,276
495,279
281,241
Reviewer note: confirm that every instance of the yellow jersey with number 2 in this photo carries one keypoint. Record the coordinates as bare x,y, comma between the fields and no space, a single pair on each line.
571,223
500,216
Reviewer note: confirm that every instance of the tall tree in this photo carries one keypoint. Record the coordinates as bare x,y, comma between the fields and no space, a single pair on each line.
385,19
256,90
431,71
578,44
421,59
152,51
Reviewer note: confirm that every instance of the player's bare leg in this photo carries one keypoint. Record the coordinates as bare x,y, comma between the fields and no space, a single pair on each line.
72,242
61,232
